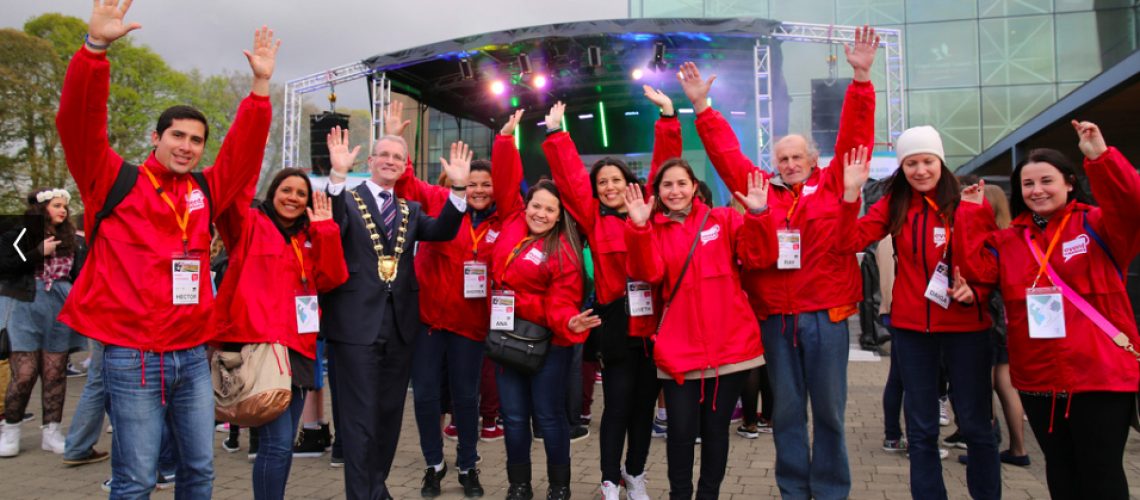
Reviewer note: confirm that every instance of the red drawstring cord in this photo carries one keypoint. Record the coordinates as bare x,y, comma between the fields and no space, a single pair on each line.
645,346
795,330
1068,405
716,386
702,400
142,373
1052,409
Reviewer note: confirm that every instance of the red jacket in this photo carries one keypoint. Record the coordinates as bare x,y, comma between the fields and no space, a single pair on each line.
606,231
439,265
1086,359
829,276
708,324
548,288
125,297
256,299
919,247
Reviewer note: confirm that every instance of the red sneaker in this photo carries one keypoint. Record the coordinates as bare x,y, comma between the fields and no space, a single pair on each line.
450,432
491,433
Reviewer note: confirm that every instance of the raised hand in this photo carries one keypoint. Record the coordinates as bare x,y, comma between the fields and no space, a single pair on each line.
49,245
262,59
1091,141
637,208
584,321
322,207
106,23
460,165
961,291
696,89
512,123
757,198
394,123
856,171
554,117
861,54
975,193
657,97
340,157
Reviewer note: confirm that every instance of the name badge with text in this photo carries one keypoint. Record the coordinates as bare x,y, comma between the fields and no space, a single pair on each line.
1045,310
503,310
474,280
187,280
938,290
308,314
790,246
640,296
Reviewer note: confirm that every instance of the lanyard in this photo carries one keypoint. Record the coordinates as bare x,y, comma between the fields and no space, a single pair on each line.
944,219
301,261
475,240
514,253
1049,250
796,190
182,220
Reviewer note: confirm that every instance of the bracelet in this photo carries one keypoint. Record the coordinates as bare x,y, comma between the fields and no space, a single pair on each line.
91,45
333,173
758,211
670,115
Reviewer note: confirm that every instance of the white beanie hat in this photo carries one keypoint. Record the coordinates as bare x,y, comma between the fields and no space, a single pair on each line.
916,140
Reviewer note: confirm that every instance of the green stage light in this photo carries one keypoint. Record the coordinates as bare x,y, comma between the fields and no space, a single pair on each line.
602,116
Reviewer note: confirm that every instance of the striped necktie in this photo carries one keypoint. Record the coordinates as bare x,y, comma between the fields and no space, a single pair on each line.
387,212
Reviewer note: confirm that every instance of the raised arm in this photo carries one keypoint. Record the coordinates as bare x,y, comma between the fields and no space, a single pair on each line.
330,269
410,187
446,226
506,175
1116,187
569,173
666,134
716,135
974,240
643,262
754,240
857,120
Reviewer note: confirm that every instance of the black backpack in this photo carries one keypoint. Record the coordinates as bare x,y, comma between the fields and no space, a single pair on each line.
124,182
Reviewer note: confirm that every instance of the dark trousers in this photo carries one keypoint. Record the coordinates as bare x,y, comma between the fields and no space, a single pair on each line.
338,442
892,400
543,395
630,394
440,354
757,391
968,358
1084,451
372,385
704,408
488,394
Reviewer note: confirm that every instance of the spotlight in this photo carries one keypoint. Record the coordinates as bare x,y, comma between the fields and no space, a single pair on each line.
539,81
637,74
465,68
594,56
659,56
524,64
498,87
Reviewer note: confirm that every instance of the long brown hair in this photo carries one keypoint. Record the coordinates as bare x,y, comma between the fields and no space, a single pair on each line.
64,232
947,194
551,241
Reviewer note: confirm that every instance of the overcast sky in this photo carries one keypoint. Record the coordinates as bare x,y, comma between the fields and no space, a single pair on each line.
210,34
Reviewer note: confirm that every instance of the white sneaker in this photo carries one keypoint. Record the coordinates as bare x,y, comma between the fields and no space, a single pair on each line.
110,429
943,412
635,486
610,491
9,439
943,453
53,439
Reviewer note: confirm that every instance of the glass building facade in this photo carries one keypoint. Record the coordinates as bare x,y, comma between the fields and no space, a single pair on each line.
976,69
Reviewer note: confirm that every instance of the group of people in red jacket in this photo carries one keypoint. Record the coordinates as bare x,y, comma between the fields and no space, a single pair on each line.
690,297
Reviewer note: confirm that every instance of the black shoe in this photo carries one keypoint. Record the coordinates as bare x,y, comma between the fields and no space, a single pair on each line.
326,437
955,440
578,433
470,482
520,491
430,487
559,476
230,444
253,445
309,445
519,477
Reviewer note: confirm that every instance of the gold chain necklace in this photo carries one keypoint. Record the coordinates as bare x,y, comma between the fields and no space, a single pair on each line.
386,265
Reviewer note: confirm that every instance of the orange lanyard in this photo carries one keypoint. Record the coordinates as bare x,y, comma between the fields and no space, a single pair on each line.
945,220
795,202
1049,250
182,220
514,253
475,240
300,260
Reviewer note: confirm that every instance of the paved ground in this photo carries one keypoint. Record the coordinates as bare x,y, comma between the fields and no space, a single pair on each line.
876,474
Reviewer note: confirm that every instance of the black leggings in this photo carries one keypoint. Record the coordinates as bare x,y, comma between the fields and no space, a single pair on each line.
689,414
1084,452
757,392
630,391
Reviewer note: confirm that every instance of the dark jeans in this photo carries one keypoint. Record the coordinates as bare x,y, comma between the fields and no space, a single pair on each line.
275,450
441,353
967,356
757,391
338,443
544,395
1083,442
893,400
630,392
488,394
574,388
704,408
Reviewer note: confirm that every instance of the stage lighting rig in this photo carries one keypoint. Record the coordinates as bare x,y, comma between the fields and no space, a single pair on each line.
659,56
524,64
594,56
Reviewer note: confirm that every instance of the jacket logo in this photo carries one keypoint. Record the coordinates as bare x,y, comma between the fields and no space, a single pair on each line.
492,235
809,190
710,234
939,236
195,200
308,244
536,256
1077,246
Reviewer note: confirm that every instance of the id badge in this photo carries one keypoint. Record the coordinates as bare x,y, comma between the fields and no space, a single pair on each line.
187,280
503,310
938,290
1046,312
640,296
789,244
474,280
308,314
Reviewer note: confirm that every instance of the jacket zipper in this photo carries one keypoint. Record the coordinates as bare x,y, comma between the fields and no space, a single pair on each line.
921,239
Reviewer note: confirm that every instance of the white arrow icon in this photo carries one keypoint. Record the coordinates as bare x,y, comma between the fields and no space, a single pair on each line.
16,245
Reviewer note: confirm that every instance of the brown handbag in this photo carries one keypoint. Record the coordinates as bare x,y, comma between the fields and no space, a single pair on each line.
251,387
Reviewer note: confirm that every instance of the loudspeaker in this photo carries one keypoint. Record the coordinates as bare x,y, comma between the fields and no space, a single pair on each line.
826,106
319,128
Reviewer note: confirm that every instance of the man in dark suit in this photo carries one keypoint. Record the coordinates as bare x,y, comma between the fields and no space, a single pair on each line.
372,320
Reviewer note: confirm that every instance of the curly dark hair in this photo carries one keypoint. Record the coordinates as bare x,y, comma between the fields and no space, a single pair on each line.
64,231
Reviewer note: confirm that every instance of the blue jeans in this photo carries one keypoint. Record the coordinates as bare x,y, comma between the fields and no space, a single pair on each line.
439,352
87,423
137,384
892,399
544,394
968,358
275,451
807,361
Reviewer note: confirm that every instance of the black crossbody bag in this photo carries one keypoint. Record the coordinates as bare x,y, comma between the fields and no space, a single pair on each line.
684,267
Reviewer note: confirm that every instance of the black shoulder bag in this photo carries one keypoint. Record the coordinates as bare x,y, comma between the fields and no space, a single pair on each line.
684,267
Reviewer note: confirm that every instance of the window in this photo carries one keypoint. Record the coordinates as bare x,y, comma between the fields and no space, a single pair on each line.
1016,50
942,55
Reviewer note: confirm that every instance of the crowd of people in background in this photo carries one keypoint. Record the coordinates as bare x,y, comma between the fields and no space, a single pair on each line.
687,312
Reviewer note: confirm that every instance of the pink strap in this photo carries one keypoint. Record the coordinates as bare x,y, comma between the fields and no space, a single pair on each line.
1079,302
